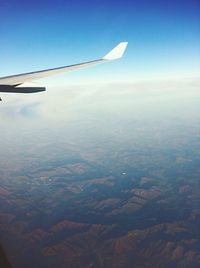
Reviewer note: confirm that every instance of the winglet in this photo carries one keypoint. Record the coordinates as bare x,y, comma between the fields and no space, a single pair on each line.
117,52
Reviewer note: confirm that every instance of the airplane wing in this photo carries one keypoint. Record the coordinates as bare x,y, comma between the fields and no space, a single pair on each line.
14,83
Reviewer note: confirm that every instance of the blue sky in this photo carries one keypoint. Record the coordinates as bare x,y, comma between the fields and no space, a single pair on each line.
163,36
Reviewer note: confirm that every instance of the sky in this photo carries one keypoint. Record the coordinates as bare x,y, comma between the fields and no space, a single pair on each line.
163,36
163,52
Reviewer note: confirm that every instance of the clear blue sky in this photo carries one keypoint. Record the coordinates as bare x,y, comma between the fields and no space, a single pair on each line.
163,36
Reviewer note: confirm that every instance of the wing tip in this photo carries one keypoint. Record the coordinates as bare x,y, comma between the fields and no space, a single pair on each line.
117,52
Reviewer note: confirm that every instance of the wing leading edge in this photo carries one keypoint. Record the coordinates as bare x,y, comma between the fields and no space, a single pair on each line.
12,83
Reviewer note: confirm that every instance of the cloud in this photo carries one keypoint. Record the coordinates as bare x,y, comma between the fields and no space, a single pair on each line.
65,103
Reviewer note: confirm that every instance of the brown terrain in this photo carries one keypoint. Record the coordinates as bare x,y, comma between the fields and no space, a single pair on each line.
113,189
100,222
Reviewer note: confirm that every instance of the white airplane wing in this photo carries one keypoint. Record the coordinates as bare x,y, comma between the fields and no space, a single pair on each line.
14,83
